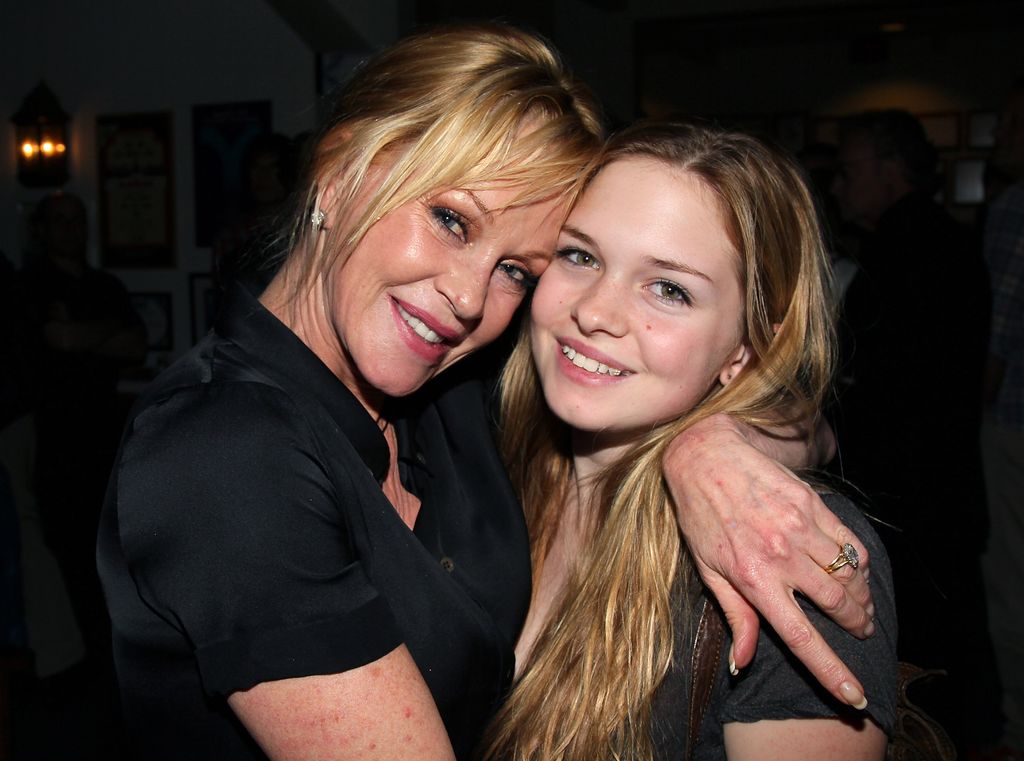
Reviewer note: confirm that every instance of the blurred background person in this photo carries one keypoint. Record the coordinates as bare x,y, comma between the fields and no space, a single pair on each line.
914,322
1003,427
83,331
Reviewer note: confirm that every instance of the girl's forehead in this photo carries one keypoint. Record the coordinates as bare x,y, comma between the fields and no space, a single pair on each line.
635,184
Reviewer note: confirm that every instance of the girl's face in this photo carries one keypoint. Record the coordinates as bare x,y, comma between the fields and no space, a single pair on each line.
641,311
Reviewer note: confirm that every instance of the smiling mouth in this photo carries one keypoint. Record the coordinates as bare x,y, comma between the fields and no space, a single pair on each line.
419,327
584,362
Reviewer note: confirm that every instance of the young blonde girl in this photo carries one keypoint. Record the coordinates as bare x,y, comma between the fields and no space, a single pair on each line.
690,280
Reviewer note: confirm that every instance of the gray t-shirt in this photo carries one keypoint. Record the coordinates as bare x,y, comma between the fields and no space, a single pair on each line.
776,685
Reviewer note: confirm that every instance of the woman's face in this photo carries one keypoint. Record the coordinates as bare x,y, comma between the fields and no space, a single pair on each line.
433,281
641,310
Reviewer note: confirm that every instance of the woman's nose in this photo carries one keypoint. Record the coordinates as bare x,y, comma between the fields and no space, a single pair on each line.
465,287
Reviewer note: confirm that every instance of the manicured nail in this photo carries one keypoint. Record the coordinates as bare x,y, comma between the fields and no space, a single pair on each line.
853,696
870,610
732,663
869,629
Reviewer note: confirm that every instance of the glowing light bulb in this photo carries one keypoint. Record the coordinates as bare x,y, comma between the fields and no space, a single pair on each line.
28,149
60,148
46,148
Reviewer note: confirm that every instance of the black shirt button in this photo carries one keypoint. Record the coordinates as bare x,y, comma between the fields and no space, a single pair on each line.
448,564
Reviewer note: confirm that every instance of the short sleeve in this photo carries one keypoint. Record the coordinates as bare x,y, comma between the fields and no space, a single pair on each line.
235,535
777,686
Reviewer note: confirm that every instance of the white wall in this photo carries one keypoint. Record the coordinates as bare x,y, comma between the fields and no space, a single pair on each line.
134,56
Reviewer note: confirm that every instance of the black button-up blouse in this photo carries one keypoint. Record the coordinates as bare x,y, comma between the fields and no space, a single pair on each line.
245,538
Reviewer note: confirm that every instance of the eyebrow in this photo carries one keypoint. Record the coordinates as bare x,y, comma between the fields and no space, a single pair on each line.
579,234
671,264
477,202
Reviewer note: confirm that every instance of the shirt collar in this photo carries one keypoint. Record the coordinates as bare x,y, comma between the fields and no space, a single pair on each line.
277,351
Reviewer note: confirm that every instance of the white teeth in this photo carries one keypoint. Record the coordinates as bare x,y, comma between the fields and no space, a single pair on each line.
588,364
418,325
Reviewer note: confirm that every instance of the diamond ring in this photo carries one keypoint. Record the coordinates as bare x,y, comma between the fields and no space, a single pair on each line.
847,556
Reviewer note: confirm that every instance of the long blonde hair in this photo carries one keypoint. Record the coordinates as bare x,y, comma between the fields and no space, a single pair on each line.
588,685
449,107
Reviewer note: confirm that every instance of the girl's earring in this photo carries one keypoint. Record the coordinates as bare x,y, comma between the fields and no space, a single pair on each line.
317,219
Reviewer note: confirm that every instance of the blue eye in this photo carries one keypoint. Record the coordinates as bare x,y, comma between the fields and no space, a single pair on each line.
579,258
452,221
671,292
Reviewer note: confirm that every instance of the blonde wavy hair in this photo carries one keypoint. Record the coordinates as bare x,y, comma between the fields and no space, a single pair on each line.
450,107
587,688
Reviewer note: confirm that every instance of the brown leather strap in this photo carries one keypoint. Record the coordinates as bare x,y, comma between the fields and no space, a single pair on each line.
704,665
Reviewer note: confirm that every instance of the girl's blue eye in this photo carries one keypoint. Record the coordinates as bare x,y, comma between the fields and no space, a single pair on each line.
452,221
579,258
666,290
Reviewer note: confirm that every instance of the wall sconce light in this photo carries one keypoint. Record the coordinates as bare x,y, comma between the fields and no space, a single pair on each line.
40,131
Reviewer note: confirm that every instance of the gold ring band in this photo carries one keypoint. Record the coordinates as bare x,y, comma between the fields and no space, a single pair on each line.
847,556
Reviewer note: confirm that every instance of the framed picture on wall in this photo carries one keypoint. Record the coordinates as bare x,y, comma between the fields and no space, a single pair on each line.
968,182
943,130
205,299
981,129
136,190
221,137
154,309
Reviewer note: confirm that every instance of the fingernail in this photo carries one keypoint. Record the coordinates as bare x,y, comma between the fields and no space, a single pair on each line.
853,696
867,574
869,629
732,663
870,610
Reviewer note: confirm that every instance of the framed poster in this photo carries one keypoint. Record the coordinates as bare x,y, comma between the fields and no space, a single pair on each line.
968,182
205,298
221,136
981,129
154,309
136,190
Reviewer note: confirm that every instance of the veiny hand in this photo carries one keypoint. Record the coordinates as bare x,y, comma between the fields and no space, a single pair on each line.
758,535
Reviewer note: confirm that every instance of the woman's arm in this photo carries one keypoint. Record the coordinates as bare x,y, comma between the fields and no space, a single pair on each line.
380,710
759,534
800,739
